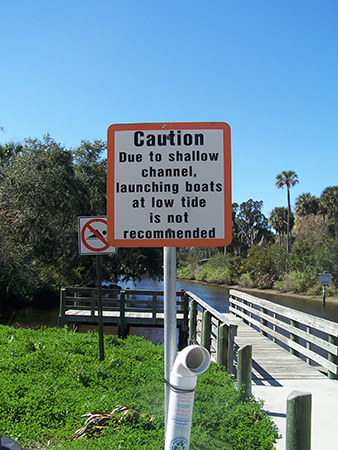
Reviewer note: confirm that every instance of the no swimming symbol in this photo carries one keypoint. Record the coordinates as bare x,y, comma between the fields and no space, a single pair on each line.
93,236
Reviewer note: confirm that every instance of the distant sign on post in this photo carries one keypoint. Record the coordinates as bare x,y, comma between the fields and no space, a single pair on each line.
169,185
325,278
93,236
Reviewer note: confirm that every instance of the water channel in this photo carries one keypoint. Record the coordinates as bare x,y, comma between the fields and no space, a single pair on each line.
216,296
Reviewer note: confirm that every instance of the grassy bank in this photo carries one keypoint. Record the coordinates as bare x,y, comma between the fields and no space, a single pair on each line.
235,272
50,378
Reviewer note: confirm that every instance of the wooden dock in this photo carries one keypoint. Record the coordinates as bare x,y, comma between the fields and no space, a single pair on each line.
122,308
137,307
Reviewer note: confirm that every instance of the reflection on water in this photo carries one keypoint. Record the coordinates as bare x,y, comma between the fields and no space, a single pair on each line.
216,296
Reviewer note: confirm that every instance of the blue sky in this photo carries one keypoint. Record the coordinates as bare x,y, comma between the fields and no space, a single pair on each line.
269,68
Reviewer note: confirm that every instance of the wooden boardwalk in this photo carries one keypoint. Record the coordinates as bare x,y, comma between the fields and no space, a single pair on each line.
270,362
276,373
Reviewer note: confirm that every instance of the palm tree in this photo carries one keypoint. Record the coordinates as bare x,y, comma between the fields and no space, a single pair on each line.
329,201
278,220
307,204
287,178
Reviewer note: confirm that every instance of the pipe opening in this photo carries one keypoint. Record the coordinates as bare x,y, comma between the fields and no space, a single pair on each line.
197,360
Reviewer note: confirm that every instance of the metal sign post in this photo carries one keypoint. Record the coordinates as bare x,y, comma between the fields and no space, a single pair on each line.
170,346
92,240
325,280
99,304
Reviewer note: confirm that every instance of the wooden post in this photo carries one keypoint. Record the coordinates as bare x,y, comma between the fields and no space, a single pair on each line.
92,303
192,321
264,321
231,348
206,330
222,345
298,421
62,314
244,310
184,329
122,319
244,371
154,308
186,310
294,337
333,358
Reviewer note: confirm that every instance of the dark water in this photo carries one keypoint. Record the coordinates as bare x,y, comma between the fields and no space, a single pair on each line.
216,296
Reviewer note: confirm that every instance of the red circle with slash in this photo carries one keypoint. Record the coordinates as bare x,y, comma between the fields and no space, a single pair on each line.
97,234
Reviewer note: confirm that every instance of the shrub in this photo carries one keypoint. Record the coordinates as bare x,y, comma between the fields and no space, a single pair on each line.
186,272
245,281
221,269
296,282
265,265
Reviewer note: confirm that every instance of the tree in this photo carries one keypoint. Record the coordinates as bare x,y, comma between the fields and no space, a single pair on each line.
251,226
287,178
7,153
329,201
91,172
279,220
40,193
307,204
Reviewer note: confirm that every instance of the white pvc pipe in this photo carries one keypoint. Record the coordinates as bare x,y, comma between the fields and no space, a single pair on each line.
189,363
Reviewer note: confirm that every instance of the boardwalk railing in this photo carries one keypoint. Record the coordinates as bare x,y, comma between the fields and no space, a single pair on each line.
309,337
124,308
213,330
133,307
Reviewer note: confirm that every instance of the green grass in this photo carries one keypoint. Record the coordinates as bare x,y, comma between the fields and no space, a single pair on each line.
49,378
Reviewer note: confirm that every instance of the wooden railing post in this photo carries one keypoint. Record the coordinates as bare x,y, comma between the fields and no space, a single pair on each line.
92,302
245,303
264,321
231,348
222,345
244,371
206,330
181,297
294,337
62,314
186,310
298,421
183,330
333,358
192,321
154,308
122,320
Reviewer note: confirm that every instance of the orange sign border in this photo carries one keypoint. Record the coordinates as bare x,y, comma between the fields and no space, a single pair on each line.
168,242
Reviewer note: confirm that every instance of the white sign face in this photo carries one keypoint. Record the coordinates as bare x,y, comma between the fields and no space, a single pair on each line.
93,236
169,184
326,278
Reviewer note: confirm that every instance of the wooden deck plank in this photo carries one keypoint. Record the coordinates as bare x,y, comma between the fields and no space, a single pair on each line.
269,360
112,317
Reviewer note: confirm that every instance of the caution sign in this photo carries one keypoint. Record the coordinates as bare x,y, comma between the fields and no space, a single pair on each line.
169,184
93,236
